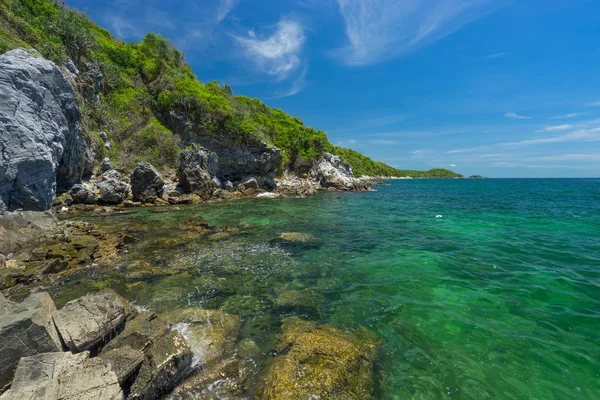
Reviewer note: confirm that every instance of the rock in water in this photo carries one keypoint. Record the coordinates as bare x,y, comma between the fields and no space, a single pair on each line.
332,174
89,321
27,329
321,362
146,183
41,141
197,168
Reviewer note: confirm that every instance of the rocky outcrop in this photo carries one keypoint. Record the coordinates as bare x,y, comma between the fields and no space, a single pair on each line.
27,329
331,173
23,231
63,376
196,172
88,322
112,188
239,155
146,183
41,141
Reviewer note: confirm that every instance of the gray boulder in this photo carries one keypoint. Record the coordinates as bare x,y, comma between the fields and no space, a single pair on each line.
146,183
5,305
42,143
164,365
64,376
197,168
105,165
88,322
27,329
80,194
24,231
111,187
331,173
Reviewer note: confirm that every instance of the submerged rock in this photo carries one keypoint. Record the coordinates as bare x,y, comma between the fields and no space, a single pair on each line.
26,329
90,321
321,362
42,143
210,334
301,299
146,183
294,237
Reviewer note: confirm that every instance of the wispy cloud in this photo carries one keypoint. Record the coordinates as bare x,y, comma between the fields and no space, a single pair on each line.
383,141
573,157
297,86
594,104
495,55
225,7
571,115
513,115
565,127
278,54
378,30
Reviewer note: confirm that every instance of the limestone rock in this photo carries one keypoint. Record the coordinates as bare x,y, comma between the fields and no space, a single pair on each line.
332,174
23,231
41,142
112,188
124,361
164,365
89,321
146,183
197,168
64,376
27,329
139,333
322,361
81,194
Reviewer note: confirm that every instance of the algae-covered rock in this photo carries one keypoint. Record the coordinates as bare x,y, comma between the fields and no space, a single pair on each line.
321,362
301,299
295,237
244,305
210,334
139,333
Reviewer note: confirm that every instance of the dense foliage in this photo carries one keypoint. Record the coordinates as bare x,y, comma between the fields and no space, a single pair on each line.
127,89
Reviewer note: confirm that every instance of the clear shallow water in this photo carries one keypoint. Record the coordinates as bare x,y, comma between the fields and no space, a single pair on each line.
499,299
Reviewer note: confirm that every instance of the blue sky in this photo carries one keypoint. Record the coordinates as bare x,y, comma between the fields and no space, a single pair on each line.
493,87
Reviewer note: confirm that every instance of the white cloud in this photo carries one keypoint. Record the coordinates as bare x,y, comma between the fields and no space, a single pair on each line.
383,141
453,165
594,104
378,30
225,7
572,115
278,54
512,115
297,86
565,127
495,55
573,157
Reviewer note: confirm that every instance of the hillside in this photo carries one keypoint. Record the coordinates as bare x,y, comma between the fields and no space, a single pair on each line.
132,91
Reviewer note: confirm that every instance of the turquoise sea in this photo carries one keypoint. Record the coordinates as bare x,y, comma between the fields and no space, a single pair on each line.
499,298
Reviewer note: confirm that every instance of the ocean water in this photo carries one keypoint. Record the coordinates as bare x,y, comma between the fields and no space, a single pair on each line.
499,298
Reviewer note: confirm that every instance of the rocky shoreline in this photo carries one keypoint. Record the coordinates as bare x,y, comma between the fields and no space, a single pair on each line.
100,346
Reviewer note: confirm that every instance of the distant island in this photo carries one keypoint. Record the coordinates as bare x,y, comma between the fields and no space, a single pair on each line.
476,177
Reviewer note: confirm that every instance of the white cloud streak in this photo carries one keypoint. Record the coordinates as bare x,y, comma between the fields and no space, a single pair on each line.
495,55
225,7
513,115
378,30
565,127
279,54
571,115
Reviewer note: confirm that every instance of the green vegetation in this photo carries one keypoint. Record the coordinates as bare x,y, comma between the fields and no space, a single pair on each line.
363,165
142,84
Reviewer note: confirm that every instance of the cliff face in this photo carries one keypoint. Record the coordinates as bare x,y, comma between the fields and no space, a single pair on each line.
41,141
